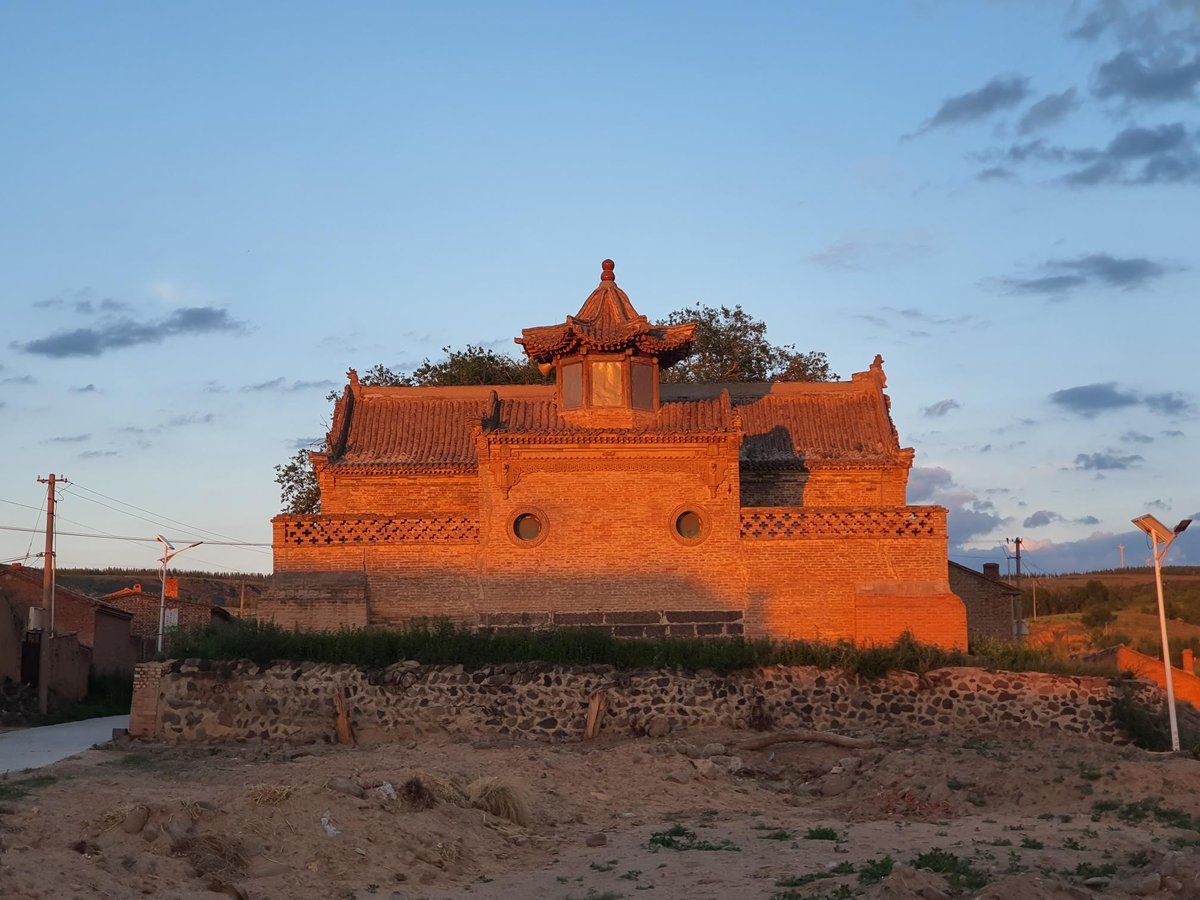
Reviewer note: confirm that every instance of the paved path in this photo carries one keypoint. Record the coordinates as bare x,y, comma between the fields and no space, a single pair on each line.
32,748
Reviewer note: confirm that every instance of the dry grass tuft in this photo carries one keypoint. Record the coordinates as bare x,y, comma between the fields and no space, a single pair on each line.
502,798
416,794
269,794
112,818
215,854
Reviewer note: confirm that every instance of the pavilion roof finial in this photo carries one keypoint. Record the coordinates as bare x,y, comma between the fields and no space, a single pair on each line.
608,323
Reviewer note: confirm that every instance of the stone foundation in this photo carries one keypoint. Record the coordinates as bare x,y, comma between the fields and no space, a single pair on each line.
206,701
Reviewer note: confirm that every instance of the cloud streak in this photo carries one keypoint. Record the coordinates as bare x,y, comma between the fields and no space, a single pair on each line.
1048,111
1090,400
281,385
123,332
1001,93
939,409
1061,276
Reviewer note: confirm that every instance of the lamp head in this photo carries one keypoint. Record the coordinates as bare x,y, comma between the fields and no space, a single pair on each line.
1182,526
1154,528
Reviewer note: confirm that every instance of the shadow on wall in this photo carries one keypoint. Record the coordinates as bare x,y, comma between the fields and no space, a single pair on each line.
654,605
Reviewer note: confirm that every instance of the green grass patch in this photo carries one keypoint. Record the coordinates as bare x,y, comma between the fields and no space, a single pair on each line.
775,834
958,872
1152,808
680,838
874,870
821,833
19,788
447,643
1084,871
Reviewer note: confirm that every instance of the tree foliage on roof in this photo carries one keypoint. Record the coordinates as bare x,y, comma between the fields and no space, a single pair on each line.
730,345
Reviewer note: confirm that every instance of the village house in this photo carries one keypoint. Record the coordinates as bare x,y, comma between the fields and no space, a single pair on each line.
101,630
179,613
993,606
612,499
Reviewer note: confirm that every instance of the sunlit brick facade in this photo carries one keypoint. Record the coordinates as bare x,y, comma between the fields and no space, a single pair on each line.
611,499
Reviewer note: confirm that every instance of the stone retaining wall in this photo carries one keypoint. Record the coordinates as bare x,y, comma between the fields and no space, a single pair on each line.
200,700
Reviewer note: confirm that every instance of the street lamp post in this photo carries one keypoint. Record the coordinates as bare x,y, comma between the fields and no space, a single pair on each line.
169,553
1161,537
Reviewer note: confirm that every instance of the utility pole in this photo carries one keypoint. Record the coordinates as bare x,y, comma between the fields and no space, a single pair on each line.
1121,547
1017,620
44,661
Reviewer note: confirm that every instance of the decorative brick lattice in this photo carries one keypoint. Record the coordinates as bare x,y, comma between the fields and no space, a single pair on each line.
786,523
305,531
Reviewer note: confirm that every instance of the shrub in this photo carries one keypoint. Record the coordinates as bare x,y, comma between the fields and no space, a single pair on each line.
443,642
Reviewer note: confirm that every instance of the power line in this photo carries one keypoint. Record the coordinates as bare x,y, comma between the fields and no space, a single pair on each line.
25,505
195,528
126,537
254,548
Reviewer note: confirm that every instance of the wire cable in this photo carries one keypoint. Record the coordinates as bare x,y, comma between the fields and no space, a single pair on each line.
247,545
146,540
195,528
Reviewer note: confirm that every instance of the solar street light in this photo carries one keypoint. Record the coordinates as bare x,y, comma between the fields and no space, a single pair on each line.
1161,537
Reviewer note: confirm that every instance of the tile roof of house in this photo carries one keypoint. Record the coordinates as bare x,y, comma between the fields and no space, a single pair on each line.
434,429
61,592
607,321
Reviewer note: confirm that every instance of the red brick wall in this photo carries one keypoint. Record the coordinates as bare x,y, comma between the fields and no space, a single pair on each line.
145,612
1185,683
71,613
859,567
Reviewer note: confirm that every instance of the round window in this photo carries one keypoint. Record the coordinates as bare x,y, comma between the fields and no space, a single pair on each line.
527,527
688,525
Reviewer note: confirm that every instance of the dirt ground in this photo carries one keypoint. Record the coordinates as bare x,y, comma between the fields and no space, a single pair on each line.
690,816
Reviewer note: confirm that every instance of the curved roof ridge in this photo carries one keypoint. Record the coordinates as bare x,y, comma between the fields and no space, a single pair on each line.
608,321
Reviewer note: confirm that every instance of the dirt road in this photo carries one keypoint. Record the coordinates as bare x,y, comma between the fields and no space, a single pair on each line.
690,817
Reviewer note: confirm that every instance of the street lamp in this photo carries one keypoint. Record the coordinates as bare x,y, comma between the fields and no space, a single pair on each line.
169,553
1161,534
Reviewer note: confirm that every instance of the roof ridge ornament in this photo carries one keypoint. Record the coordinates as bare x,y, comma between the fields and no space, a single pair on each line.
607,274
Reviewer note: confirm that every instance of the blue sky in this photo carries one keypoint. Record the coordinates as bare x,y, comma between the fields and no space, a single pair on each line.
211,211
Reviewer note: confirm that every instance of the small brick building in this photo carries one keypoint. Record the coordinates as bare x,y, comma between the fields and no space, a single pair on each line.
181,613
102,628
609,498
993,606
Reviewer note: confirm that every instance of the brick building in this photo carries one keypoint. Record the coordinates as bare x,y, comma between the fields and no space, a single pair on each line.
609,498
993,606
181,613
102,628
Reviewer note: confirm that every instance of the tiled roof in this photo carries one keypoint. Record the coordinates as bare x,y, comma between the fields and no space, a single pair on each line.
409,430
432,429
607,321
61,592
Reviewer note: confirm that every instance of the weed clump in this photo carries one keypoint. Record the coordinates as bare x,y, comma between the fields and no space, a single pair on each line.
958,872
502,798
679,838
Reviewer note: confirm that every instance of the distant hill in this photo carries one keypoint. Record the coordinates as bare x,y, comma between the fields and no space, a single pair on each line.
221,590
1083,612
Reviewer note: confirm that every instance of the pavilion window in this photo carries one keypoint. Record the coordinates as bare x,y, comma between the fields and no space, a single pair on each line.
572,385
641,379
607,383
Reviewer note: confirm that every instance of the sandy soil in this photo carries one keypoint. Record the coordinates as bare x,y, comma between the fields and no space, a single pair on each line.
1022,817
